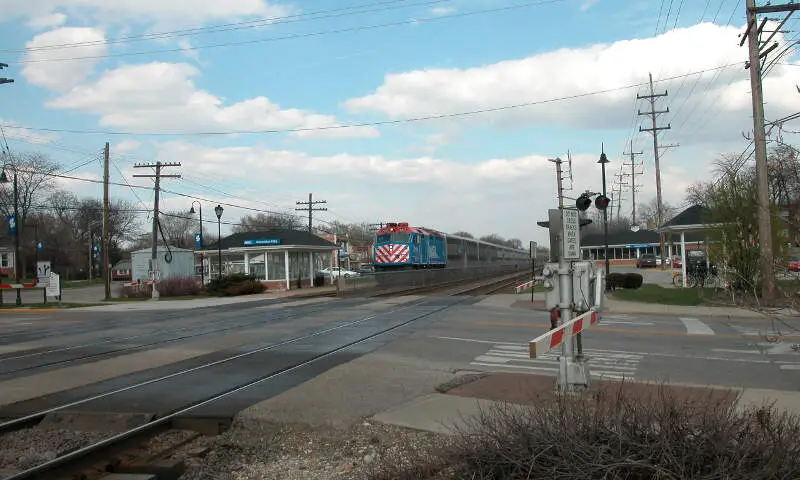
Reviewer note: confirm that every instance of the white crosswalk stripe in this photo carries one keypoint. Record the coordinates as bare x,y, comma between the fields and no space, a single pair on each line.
615,364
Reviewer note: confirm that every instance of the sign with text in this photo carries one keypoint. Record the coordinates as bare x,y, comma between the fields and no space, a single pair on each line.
262,241
43,271
533,249
570,224
53,288
198,240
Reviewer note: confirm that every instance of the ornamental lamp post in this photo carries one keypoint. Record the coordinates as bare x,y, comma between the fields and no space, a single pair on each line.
202,265
4,179
218,210
601,202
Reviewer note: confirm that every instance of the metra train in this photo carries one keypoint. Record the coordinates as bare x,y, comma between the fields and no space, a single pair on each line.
398,246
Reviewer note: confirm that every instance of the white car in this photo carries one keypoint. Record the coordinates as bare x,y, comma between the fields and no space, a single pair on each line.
336,272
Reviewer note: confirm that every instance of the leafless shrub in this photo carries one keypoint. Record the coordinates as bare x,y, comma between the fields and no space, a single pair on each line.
615,434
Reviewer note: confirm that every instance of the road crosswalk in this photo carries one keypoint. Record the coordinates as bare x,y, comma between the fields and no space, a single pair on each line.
614,364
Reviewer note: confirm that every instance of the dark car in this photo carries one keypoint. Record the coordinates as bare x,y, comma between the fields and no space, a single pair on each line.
646,260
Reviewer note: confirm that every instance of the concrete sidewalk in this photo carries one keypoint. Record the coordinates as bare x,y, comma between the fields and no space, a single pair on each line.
445,412
167,304
615,306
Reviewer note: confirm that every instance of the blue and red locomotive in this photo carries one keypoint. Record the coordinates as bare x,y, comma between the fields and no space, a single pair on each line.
398,246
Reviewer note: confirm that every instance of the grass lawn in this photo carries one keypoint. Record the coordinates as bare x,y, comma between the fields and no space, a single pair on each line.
650,293
81,283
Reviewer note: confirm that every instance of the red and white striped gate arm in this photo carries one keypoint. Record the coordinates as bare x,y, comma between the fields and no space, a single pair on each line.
19,285
554,338
525,286
136,284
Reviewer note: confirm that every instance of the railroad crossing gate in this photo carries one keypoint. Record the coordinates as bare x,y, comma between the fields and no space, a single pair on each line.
554,338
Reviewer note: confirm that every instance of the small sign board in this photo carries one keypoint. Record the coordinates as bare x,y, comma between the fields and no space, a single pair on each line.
53,288
43,271
262,241
570,224
534,246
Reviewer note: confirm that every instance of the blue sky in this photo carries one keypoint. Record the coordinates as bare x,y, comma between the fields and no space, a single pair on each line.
484,173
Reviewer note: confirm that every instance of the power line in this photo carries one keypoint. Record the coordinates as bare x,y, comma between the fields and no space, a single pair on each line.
382,122
301,35
256,23
311,208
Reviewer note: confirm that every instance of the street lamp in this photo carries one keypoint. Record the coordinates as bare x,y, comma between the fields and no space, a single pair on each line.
218,210
4,179
202,265
602,203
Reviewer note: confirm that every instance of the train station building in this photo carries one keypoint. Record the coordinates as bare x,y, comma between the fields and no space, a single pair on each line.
685,231
282,259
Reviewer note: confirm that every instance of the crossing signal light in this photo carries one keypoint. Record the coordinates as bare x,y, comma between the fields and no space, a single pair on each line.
583,202
602,202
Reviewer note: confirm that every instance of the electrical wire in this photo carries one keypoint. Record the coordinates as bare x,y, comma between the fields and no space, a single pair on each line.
301,35
382,122
249,24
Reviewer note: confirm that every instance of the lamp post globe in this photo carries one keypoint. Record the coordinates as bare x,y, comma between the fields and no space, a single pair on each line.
218,211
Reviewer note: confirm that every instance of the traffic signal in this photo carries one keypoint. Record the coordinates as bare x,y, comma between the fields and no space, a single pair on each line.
583,202
602,202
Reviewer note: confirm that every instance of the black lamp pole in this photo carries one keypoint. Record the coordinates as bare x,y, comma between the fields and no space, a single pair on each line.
603,160
202,266
218,210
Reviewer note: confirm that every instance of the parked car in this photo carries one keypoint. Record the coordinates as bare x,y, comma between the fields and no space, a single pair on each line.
675,261
336,272
794,263
647,260
366,269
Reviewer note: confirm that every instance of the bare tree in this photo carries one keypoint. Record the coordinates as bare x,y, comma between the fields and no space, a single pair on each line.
177,228
463,234
263,221
648,212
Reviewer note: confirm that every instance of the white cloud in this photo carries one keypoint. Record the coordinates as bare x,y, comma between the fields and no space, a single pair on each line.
47,21
568,72
62,76
162,96
126,146
164,13
25,135
502,195
587,4
442,10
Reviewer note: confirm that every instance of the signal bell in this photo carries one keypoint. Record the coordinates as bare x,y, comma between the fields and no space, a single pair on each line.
602,202
583,202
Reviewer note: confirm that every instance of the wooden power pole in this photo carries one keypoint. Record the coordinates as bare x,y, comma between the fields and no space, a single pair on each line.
158,176
633,174
311,209
106,242
752,35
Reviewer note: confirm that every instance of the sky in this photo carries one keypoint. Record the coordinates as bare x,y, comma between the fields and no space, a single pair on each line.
439,113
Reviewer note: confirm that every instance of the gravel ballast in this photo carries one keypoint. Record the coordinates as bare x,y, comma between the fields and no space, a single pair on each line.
255,450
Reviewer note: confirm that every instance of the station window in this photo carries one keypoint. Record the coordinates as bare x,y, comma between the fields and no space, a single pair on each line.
4,260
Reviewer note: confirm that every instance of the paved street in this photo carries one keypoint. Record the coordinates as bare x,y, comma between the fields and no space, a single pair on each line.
707,351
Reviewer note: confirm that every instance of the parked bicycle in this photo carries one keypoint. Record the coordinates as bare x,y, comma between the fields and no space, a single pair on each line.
697,276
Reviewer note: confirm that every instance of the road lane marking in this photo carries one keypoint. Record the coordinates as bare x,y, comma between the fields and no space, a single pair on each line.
696,327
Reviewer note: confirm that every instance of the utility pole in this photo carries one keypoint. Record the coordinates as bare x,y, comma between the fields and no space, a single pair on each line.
158,176
653,114
618,184
752,35
633,174
106,266
310,208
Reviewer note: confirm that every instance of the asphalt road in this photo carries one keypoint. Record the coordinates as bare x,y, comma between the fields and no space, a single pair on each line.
47,359
705,351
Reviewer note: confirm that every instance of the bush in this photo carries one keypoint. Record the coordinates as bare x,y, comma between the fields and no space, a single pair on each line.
612,436
235,284
632,281
615,281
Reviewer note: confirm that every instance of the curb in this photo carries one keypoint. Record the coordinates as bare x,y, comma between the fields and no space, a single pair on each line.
31,310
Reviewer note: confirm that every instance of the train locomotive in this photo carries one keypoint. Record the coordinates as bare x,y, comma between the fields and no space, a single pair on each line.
398,246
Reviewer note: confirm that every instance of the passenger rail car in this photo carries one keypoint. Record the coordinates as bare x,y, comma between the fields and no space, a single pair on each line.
398,246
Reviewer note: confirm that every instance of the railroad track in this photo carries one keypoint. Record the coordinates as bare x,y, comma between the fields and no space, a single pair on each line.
113,452
215,323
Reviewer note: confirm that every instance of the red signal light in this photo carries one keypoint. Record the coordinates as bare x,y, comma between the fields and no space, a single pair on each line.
602,202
